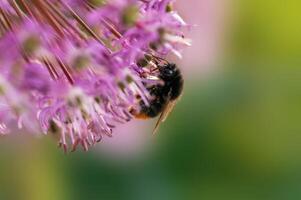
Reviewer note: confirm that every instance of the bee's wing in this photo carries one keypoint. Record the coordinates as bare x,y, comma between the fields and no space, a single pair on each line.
169,107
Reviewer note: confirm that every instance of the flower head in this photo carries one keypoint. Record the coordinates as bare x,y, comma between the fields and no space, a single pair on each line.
73,68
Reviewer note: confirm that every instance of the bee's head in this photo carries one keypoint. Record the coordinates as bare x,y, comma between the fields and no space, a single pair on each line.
168,71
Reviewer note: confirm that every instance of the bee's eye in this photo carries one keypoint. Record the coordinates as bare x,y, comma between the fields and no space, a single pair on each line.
168,72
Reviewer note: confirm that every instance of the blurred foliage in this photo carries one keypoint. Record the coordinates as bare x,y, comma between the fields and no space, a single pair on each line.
267,30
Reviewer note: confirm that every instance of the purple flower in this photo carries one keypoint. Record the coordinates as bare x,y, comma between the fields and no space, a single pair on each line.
71,68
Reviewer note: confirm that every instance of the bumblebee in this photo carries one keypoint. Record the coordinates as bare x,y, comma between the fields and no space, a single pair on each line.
164,95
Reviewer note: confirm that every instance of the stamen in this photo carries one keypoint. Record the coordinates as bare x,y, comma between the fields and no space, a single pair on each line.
6,19
51,71
17,9
25,6
111,28
65,70
43,10
84,25
3,24
59,14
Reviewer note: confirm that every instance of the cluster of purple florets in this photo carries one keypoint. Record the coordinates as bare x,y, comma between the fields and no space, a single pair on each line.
74,68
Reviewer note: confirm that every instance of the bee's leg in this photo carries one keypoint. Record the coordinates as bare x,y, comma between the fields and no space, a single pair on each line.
153,70
154,67
143,75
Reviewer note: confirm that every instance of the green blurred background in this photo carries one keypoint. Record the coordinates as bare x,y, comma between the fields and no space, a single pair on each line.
235,134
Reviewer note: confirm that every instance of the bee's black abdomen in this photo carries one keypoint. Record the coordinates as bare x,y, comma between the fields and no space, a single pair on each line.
176,88
154,109
162,94
157,104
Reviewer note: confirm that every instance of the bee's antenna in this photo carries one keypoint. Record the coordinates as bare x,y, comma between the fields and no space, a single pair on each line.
158,60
